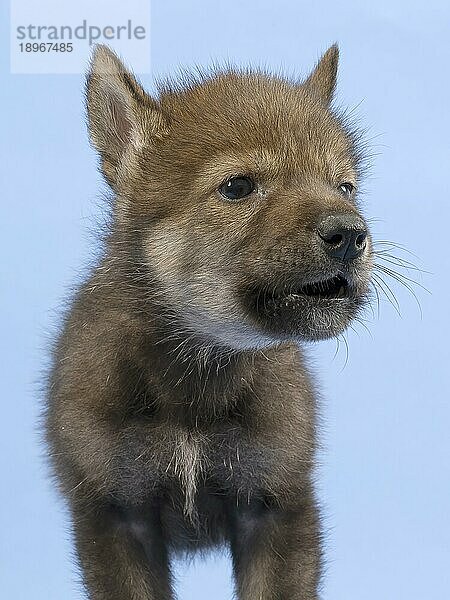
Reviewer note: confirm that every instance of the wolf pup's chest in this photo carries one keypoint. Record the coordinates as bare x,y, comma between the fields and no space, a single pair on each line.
224,460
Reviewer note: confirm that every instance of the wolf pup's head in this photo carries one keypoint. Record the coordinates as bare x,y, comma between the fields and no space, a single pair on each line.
239,191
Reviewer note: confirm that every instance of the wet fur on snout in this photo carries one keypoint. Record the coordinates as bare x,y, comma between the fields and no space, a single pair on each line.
180,414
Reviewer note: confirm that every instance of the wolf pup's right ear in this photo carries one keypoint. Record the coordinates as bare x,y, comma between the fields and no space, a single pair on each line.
121,115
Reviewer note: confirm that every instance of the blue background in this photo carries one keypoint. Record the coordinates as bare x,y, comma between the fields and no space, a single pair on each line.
384,469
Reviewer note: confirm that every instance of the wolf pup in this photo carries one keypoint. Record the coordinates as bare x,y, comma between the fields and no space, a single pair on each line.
180,413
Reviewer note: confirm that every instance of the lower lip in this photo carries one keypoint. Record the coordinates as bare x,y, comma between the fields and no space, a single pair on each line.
341,295
294,298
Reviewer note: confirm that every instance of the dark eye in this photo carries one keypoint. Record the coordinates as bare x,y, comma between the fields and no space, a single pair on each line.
237,187
346,188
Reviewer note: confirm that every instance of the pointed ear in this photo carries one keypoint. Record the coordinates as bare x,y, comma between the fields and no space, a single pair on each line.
323,79
121,115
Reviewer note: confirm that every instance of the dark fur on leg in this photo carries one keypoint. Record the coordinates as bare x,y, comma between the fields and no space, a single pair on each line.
122,552
276,552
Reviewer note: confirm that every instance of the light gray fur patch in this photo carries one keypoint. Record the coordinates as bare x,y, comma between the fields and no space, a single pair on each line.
187,465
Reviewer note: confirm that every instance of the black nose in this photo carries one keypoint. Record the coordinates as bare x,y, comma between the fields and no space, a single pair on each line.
343,236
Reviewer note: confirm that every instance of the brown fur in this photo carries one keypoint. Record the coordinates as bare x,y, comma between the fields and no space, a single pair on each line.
180,412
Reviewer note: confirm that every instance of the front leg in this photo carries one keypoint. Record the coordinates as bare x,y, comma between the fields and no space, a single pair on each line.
276,552
121,552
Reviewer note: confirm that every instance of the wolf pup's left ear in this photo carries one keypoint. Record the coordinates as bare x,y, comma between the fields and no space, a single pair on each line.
322,80
121,115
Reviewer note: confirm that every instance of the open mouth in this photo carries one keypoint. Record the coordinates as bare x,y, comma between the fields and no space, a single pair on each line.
326,289
308,310
315,310
335,287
